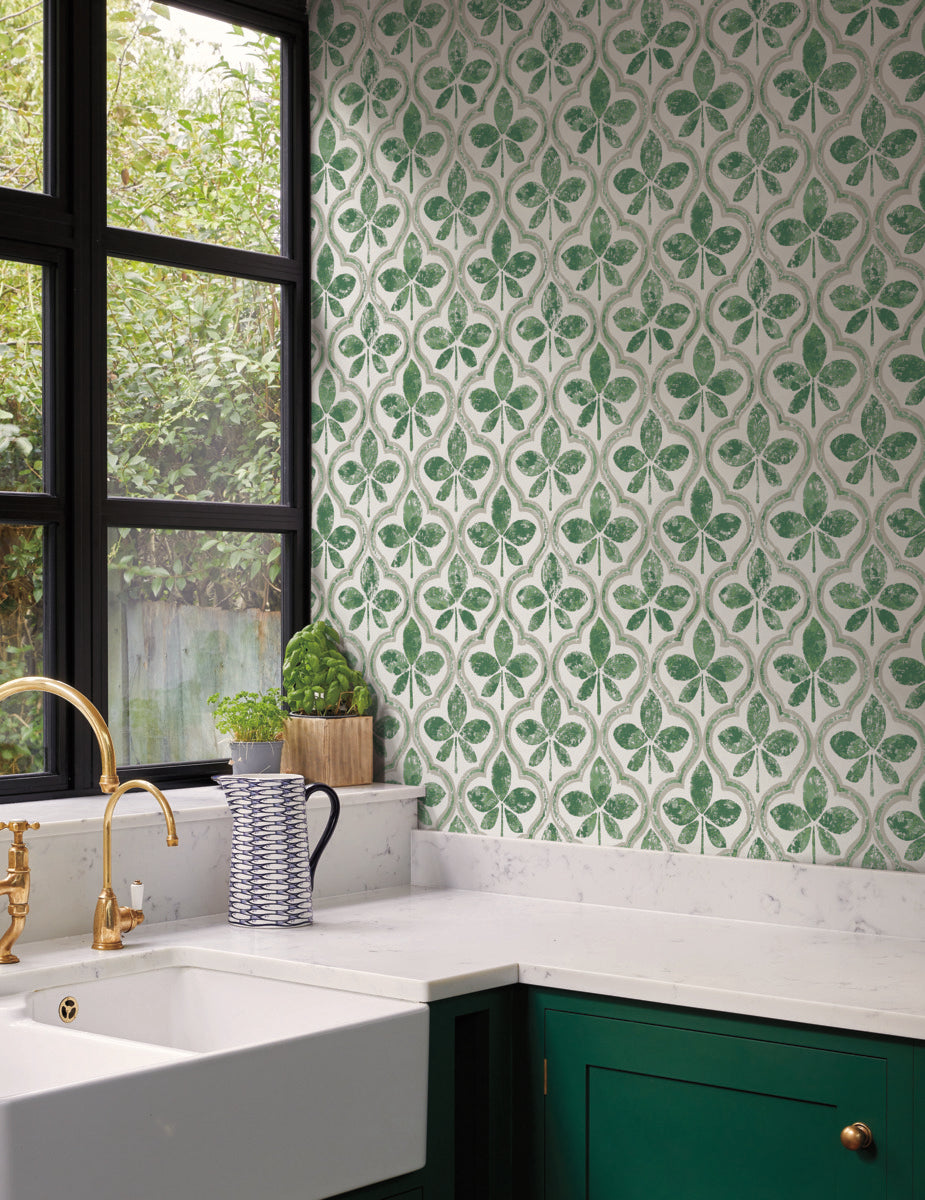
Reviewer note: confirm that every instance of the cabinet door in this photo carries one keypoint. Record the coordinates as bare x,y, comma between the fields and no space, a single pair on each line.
917,1137
638,1111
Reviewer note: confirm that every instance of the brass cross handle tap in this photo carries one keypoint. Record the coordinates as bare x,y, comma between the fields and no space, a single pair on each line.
16,886
18,828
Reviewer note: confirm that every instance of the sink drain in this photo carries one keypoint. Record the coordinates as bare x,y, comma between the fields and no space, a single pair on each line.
67,1009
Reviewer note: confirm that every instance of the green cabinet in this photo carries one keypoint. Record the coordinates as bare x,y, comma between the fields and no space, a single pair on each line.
919,1122
616,1100
646,1102
468,1105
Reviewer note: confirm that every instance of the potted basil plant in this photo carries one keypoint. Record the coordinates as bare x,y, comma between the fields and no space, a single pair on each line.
328,735
255,723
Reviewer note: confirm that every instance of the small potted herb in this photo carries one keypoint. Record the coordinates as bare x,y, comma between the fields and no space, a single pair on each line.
255,722
328,736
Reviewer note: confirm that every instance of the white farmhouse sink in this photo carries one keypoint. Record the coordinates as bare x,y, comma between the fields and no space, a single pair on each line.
200,1009
36,1059
194,1083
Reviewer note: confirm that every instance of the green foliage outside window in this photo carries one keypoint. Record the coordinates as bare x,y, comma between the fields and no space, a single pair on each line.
194,359
21,95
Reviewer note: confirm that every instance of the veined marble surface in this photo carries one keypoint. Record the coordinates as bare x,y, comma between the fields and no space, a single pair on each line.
420,944
370,849
825,946
845,899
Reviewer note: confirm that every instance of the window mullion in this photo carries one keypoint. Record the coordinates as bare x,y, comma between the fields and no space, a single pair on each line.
85,577
200,256
187,514
296,218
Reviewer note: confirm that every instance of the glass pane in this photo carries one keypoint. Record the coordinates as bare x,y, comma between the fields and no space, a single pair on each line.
20,377
194,391
194,127
22,100
21,647
191,613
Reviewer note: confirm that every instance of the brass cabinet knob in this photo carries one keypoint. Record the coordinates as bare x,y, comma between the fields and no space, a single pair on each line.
857,1136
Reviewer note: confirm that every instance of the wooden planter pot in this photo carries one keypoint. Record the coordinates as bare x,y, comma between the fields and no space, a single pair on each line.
337,751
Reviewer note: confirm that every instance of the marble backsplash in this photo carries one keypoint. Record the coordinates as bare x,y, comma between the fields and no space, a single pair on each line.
845,899
377,846
370,849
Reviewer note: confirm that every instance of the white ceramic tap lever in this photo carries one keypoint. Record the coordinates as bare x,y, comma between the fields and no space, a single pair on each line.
138,894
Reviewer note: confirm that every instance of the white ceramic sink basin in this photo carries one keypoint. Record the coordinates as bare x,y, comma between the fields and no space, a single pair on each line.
199,1009
190,1082
36,1059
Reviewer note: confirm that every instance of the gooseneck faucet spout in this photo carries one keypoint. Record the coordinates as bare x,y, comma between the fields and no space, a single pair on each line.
110,919
109,780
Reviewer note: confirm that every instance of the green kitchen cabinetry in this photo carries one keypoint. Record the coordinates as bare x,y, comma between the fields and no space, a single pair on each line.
469,1110
618,1100
648,1102
919,1122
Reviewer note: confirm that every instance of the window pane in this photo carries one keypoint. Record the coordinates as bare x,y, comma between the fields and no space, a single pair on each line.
21,649
194,385
20,377
190,614
194,127
22,102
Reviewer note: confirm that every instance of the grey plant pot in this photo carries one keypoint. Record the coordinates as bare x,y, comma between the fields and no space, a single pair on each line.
256,758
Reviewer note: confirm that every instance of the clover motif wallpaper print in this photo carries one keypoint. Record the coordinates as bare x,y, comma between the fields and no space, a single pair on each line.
618,378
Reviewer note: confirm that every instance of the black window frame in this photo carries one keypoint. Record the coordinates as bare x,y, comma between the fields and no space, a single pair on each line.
65,229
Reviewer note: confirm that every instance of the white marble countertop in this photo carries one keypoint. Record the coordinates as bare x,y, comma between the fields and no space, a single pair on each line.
424,944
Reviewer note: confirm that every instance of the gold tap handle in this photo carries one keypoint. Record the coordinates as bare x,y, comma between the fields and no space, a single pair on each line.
18,828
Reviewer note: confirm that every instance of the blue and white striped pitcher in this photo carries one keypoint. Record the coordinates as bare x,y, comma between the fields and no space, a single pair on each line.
272,871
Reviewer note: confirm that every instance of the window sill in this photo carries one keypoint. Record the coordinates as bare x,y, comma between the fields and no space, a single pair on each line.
79,814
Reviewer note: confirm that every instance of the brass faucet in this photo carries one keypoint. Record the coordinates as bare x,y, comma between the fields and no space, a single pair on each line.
110,919
16,886
109,780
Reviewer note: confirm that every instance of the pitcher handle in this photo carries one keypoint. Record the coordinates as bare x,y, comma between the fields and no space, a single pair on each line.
328,829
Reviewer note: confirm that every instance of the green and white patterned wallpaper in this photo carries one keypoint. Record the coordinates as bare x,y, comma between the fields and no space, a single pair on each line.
617,390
